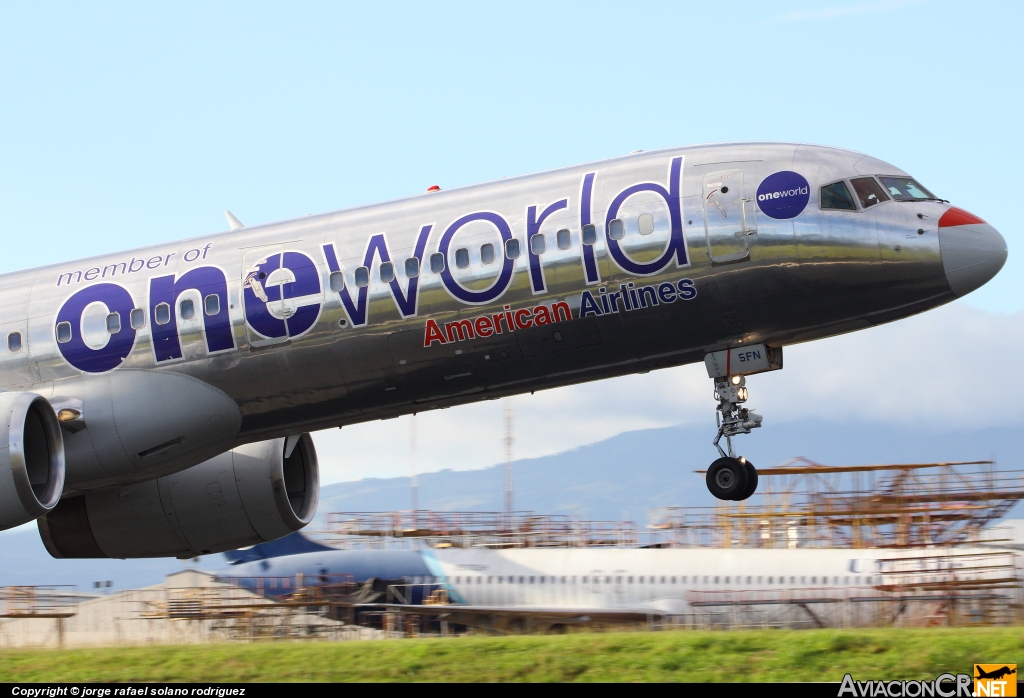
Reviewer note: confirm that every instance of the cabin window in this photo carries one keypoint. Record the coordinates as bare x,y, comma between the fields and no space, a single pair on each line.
537,244
616,231
760,580
589,234
14,341
437,262
792,580
412,267
462,258
563,239
905,189
868,191
137,318
645,223
814,580
211,304
771,580
162,314
521,580
749,579
114,323
487,253
63,332
631,579
337,281
387,272
803,580
586,580
512,248
846,580
187,309
362,277
837,196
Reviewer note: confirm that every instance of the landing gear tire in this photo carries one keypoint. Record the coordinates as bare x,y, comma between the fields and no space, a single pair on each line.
751,481
727,478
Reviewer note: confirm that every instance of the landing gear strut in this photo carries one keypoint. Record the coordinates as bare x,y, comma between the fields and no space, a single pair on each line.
730,477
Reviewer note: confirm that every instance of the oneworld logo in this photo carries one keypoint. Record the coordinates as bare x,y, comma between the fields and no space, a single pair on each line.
783,195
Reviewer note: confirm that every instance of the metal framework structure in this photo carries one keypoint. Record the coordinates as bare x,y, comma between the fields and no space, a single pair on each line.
806,504
55,601
475,529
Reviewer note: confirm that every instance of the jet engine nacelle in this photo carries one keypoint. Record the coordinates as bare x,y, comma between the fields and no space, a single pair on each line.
31,458
252,494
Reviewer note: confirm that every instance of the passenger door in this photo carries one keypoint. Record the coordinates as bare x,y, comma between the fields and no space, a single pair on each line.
729,223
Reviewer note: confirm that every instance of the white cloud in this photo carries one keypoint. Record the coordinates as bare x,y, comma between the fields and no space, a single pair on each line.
846,10
953,366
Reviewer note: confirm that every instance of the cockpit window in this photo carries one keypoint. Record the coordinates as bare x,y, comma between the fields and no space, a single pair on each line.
837,196
905,189
868,191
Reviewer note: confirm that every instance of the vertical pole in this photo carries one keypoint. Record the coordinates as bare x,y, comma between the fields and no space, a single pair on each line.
510,440
412,464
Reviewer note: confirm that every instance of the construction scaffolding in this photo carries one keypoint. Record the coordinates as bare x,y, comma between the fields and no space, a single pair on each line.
806,504
347,530
40,604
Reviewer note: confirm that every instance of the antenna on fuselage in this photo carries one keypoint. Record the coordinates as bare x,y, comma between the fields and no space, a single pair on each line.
232,221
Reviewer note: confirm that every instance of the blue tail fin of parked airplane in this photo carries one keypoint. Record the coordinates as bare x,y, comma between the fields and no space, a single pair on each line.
289,545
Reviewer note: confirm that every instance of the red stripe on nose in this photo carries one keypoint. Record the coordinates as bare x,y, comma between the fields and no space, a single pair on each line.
957,216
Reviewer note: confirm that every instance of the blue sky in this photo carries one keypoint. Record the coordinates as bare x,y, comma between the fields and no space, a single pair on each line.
125,124
132,123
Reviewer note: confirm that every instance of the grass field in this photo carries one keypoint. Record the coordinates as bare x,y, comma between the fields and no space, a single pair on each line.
759,655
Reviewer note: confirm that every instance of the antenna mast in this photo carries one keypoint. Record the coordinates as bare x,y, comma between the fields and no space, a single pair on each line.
510,443
412,464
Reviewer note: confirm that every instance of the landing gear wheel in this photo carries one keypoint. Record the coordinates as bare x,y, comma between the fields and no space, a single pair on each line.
727,478
751,481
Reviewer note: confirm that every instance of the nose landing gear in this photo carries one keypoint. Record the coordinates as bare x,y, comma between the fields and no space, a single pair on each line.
730,477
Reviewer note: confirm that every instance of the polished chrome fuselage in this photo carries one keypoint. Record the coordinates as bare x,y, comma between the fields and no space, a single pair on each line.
756,280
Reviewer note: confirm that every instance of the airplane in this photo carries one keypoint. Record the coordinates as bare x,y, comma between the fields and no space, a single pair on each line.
995,674
158,402
503,589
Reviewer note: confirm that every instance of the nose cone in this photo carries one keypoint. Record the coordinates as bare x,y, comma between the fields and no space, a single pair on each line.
972,250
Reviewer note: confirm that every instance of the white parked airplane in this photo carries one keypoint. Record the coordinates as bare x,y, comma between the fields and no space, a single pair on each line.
495,587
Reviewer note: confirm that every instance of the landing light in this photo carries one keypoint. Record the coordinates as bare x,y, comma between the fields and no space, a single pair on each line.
741,394
736,380
68,415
